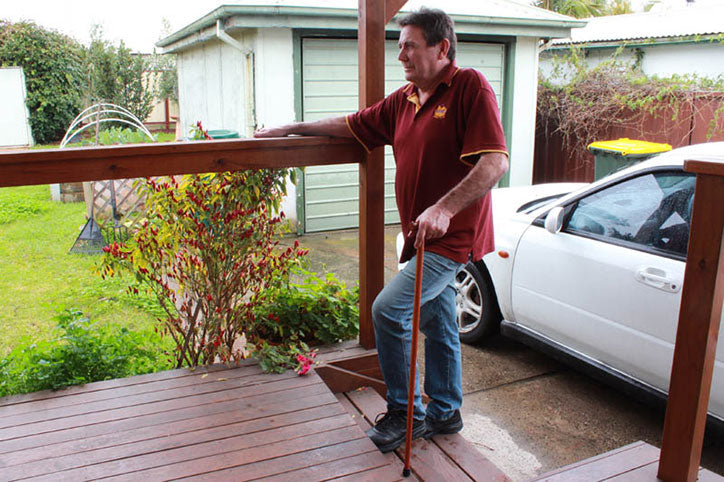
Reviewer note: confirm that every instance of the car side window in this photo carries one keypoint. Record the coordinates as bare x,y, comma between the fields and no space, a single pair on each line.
649,211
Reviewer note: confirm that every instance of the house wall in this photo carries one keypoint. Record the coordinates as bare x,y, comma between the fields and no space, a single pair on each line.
212,89
212,86
14,118
522,128
274,86
704,58
157,118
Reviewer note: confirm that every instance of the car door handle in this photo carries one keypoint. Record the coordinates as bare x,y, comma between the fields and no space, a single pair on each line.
657,278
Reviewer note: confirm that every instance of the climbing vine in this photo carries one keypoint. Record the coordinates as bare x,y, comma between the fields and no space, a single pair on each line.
583,103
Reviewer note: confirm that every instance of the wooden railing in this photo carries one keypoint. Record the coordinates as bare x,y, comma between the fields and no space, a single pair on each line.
28,167
698,328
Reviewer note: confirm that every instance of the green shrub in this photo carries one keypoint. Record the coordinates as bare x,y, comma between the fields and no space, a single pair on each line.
207,251
83,352
119,135
316,311
54,75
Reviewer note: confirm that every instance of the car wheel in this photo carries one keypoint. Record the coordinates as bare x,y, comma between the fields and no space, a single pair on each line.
478,314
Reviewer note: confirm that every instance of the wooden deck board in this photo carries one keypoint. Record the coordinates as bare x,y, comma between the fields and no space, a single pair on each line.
111,384
214,422
638,461
442,458
82,426
72,396
131,396
161,420
202,429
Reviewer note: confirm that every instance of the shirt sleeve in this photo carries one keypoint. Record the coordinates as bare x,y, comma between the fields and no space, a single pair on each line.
483,129
374,126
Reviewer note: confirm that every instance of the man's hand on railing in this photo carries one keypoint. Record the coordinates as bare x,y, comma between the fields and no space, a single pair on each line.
332,126
280,131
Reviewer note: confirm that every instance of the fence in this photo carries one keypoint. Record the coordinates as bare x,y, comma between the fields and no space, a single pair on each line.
694,122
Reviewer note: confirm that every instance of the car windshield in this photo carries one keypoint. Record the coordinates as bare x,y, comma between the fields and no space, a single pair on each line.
531,206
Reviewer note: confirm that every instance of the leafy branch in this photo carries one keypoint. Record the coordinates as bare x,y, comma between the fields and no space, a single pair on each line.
582,103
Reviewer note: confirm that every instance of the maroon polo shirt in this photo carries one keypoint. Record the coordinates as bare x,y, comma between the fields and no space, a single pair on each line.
435,147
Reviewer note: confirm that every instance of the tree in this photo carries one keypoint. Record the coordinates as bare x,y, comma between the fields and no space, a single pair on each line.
54,75
164,65
166,77
118,77
575,8
587,8
619,7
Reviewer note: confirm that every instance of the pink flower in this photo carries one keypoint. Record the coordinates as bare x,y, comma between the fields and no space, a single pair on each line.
305,362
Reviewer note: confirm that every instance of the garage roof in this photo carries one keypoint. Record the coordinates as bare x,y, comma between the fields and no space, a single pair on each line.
492,17
690,21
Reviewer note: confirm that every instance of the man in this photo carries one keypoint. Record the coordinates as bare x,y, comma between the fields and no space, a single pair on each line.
444,127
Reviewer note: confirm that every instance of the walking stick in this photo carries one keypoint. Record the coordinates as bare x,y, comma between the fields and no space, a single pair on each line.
413,357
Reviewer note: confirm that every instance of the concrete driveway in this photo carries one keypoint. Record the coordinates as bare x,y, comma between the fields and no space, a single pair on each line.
526,412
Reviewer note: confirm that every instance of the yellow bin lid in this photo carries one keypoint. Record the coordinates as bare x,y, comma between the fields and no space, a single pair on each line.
630,147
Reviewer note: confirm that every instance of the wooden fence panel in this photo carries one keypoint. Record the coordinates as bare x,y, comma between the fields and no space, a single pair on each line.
691,124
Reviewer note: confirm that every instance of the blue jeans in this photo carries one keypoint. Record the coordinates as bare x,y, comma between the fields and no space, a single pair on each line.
392,316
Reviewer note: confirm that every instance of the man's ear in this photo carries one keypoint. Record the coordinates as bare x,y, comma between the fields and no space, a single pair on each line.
444,48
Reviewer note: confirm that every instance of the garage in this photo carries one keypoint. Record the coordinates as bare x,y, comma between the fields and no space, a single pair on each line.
244,66
329,198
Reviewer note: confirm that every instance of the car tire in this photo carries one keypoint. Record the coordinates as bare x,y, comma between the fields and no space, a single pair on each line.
478,313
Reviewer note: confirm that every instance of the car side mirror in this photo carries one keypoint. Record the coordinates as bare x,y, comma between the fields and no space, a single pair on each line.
554,220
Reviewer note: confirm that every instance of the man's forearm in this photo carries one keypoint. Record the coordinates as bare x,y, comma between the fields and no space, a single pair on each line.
481,179
332,126
435,220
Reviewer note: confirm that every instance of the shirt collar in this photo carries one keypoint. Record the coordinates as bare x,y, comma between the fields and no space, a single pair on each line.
448,73
450,70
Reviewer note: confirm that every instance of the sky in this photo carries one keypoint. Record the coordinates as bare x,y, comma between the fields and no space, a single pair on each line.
140,24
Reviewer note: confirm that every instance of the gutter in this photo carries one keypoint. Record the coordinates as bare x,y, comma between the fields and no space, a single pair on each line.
636,43
285,16
225,37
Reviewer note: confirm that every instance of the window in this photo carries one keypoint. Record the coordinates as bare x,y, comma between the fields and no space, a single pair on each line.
649,211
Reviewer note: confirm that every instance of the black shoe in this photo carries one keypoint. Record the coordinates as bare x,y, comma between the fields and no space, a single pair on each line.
389,431
450,425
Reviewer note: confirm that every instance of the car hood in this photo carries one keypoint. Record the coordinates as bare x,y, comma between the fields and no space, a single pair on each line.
509,200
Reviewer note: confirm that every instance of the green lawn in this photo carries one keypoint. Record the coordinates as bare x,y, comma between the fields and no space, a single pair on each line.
39,277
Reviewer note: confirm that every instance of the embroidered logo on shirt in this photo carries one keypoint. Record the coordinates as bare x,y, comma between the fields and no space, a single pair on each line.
440,111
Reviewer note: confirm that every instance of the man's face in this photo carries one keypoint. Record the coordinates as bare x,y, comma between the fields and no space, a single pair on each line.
421,63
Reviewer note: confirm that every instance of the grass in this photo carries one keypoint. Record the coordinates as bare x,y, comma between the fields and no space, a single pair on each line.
38,277
160,137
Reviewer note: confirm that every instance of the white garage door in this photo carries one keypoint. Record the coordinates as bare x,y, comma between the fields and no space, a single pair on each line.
329,88
14,126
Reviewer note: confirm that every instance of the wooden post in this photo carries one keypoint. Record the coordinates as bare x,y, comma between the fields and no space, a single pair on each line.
166,111
392,7
698,329
371,53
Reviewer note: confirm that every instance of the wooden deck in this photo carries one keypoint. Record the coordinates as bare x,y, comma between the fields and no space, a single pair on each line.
215,423
638,461
220,423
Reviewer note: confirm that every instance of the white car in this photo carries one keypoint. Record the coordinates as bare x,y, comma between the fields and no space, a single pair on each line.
592,273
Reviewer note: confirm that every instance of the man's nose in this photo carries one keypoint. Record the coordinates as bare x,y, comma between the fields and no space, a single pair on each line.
401,57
